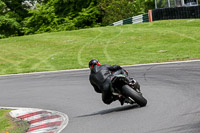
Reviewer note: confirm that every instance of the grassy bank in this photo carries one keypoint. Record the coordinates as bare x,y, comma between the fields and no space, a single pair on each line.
10,125
4,120
128,44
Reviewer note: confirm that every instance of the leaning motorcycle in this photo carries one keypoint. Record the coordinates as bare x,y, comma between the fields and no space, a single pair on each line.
121,86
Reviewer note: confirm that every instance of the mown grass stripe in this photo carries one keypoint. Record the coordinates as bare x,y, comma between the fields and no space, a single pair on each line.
132,44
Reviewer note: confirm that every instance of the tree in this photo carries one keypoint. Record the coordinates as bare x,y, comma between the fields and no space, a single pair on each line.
38,16
147,5
114,10
17,8
12,13
9,26
57,15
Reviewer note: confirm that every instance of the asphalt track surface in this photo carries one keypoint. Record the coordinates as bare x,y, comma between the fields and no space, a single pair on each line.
172,91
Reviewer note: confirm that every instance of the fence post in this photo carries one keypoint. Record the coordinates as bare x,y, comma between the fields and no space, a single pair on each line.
156,4
150,16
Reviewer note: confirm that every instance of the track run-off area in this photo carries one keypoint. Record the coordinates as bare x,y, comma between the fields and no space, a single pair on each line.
172,90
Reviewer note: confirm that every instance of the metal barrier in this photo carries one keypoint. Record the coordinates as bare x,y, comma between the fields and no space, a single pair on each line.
133,20
162,14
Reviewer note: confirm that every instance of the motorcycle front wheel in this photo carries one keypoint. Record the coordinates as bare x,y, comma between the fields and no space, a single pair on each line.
137,97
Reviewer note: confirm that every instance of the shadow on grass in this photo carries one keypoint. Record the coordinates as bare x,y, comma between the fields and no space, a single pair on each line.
107,111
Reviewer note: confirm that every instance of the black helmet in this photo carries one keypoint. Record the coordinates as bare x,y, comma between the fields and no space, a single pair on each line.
93,62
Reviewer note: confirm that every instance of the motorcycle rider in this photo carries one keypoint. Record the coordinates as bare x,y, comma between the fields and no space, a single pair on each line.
100,78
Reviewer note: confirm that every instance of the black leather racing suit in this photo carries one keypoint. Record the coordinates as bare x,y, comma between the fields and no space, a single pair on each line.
100,78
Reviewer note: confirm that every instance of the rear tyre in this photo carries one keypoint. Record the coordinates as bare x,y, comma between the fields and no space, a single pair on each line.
137,97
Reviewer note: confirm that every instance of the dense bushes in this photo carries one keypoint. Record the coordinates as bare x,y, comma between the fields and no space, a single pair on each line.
9,27
47,18
9,24
114,10
19,17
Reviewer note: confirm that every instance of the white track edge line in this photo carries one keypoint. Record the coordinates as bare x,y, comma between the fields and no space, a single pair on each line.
74,70
162,63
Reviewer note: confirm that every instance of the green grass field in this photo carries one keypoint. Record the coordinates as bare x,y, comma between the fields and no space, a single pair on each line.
10,125
4,120
158,41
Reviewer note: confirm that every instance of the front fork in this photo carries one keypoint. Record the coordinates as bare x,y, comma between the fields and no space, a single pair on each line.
135,85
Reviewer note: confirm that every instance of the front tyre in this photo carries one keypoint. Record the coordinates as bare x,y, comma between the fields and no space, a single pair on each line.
137,97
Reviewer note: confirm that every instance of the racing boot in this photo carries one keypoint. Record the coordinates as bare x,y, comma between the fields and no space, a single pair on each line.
121,100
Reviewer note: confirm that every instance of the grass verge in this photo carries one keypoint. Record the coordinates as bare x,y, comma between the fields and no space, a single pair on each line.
158,41
11,125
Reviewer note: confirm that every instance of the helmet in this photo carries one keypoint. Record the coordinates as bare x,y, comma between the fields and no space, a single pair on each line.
93,62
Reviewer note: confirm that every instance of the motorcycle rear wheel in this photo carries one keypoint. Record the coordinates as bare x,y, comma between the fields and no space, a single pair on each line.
137,97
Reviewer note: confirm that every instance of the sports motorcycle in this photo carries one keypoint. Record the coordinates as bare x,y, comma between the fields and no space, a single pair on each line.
130,91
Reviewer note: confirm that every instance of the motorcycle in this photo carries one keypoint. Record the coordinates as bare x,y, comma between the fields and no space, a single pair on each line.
130,91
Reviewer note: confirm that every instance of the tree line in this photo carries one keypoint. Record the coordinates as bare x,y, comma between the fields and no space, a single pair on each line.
23,17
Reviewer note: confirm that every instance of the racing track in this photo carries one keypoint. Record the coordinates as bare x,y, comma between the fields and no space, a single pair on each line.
172,91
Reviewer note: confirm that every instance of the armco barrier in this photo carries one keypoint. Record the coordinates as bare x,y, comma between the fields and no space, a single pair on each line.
133,20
